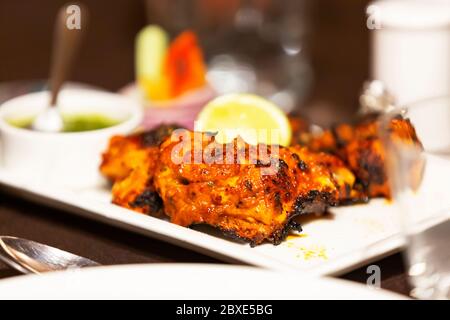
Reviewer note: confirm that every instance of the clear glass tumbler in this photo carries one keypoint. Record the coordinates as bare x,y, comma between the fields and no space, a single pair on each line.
419,176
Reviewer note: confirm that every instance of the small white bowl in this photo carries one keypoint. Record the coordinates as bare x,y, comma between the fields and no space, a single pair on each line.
69,159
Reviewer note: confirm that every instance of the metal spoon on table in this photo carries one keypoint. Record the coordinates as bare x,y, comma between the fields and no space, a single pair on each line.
27,256
66,43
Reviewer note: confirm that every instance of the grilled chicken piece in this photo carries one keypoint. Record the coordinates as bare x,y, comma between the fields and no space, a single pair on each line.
130,162
361,148
125,153
122,156
251,200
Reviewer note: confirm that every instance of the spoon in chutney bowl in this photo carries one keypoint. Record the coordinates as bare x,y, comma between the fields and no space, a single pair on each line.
66,43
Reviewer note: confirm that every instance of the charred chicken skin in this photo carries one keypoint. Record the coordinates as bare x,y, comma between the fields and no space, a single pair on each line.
360,147
251,198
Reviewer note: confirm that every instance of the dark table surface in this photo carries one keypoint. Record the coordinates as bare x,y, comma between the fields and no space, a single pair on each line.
109,245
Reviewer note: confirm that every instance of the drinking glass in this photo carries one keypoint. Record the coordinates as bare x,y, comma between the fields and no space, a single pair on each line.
419,176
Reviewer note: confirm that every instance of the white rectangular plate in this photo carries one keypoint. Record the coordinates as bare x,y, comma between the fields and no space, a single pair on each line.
347,238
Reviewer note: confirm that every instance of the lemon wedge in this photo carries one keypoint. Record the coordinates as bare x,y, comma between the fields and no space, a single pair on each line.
255,119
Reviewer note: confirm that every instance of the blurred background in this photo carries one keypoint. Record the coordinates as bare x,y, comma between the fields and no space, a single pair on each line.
320,48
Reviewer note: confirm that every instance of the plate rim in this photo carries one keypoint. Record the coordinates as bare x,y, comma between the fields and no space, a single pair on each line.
176,269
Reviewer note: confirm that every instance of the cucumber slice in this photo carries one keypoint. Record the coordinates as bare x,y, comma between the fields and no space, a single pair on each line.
151,47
